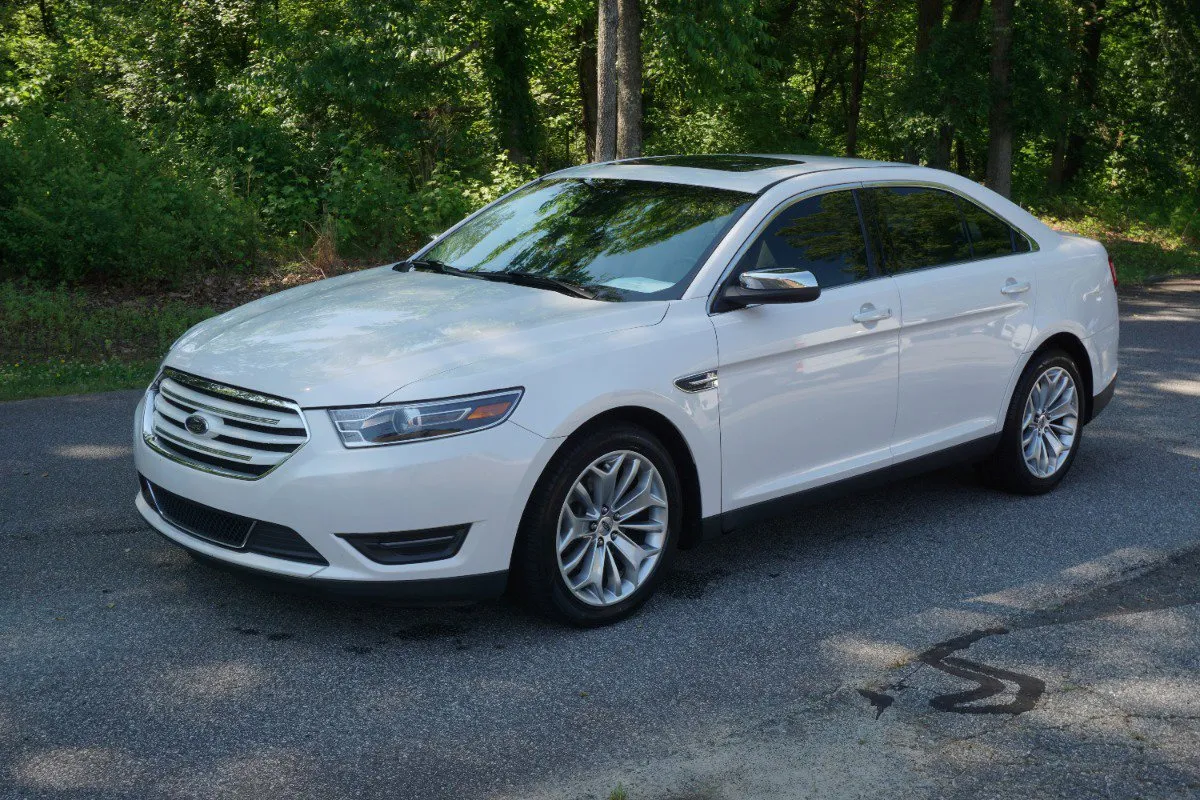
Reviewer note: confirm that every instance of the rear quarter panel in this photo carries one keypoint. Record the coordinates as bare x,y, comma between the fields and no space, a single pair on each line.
1075,294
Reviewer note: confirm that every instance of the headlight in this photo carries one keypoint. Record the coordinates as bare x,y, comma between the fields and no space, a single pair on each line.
429,419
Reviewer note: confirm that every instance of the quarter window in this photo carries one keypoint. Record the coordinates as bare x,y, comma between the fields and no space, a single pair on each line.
918,228
990,235
821,234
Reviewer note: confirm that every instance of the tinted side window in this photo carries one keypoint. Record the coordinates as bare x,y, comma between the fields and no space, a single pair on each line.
820,234
990,236
918,228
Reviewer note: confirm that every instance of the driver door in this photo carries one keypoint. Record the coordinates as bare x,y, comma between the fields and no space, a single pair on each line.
808,390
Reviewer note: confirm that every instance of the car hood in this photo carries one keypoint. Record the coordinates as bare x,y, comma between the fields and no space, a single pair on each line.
354,339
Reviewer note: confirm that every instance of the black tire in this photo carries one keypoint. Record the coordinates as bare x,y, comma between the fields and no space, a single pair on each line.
1006,468
535,570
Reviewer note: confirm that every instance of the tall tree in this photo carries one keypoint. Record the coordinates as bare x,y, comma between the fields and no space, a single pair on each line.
508,82
606,81
964,16
858,75
629,78
1000,127
585,69
930,14
1089,84
929,20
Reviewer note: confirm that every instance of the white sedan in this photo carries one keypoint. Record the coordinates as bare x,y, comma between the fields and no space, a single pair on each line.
621,359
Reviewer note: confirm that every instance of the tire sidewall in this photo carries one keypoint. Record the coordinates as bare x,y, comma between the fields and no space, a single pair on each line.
542,525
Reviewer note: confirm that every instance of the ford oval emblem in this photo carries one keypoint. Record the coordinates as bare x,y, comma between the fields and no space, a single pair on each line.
197,424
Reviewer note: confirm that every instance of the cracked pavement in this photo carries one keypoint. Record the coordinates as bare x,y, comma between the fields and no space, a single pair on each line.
875,646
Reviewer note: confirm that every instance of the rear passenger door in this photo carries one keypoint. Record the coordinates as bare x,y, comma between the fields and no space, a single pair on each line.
966,297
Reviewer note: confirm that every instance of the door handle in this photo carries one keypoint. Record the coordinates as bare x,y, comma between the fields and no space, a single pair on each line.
1012,287
869,313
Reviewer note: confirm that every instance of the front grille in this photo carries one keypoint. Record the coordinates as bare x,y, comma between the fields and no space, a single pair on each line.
220,428
229,530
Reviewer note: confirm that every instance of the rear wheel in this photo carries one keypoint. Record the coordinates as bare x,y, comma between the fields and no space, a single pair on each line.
1043,427
603,519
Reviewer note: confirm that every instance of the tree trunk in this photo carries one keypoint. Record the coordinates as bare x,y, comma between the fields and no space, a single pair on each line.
49,28
1000,133
964,14
1089,81
629,78
929,19
858,78
585,66
822,84
508,73
606,81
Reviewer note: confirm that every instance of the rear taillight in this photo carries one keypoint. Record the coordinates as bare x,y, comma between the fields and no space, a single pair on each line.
1113,269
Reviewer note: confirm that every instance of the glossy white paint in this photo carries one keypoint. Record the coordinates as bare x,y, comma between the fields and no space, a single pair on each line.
354,339
961,339
806,395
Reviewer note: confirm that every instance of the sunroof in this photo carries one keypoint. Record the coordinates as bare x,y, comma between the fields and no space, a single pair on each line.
724,163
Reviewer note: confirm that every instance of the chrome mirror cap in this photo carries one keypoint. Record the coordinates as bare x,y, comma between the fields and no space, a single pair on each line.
767,280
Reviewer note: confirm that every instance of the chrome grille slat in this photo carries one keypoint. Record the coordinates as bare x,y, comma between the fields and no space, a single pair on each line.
181,437
247,438
178,391
228,447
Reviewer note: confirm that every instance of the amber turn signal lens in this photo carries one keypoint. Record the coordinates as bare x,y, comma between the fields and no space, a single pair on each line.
489,411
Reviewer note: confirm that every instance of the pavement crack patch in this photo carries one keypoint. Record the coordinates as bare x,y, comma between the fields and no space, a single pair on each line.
991,680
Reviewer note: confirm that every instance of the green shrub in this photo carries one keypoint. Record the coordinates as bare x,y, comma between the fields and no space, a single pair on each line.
79,199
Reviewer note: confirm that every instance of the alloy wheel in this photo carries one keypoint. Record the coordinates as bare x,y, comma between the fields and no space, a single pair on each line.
612,528
1050,422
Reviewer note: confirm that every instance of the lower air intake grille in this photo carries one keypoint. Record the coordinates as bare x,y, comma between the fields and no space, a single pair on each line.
229,530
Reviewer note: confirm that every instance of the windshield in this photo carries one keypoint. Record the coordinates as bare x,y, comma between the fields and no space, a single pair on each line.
623,240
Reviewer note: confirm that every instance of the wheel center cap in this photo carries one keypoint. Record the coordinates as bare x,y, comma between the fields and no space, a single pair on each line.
1043,423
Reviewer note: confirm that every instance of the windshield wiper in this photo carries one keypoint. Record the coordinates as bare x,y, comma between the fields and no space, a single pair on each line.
433,265
504,276
542,282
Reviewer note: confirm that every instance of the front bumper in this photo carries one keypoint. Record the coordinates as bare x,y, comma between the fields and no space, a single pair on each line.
479,479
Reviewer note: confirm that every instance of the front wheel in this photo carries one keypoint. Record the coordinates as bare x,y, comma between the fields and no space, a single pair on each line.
1042,429
601,522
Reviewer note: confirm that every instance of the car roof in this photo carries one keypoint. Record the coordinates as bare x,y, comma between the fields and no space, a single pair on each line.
744,172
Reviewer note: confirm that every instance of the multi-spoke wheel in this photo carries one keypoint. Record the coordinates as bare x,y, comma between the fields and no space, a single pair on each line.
1043,427
1049,422
612,528
602,520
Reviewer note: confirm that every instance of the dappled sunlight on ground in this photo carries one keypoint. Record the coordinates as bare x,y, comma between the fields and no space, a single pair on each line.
95,452
70,769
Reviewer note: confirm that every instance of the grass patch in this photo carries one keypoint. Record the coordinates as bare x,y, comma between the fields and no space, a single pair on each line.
1139,252
1145,240
22,380
73,325
60,341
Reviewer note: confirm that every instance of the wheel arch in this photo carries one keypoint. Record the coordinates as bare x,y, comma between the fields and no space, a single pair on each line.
677,446
1073,346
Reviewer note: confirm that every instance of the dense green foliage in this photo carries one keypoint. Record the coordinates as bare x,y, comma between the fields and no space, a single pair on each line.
143,139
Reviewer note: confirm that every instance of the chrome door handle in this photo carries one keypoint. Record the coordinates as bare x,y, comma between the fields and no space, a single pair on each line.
869,313
1012,287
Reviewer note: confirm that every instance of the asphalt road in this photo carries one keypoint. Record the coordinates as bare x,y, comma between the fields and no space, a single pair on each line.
928,639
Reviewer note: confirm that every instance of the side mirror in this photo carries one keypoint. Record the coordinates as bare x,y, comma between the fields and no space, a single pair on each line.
772,286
